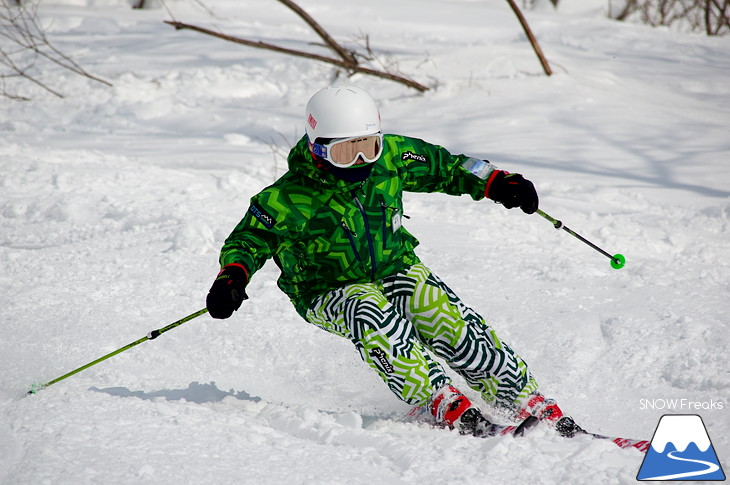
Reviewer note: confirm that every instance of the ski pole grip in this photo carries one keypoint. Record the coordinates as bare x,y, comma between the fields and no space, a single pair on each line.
558,224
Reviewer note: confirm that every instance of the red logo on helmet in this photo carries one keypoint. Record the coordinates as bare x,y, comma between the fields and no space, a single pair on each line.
312,121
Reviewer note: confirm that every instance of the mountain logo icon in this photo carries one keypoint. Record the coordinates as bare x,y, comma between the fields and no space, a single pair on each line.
681,450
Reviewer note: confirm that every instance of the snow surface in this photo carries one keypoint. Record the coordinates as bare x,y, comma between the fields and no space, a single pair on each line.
115,201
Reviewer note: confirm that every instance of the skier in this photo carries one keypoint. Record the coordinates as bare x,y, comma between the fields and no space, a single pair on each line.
333,225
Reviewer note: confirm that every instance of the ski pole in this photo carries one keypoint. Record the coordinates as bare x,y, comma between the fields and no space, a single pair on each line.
617,260
150,336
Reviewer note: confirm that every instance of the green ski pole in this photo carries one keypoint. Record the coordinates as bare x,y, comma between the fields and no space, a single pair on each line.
150,336
617,260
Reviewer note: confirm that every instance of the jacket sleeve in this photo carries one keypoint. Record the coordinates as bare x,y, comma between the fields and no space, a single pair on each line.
425,167
262,233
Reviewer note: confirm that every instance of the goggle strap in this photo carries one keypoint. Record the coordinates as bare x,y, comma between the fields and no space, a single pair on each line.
319,150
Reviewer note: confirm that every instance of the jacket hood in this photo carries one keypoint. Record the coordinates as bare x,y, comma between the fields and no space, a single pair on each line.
300,160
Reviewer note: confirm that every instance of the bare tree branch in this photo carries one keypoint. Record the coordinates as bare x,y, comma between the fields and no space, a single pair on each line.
24,43
343,53
716,21
629,6
710,16
533,40
293,52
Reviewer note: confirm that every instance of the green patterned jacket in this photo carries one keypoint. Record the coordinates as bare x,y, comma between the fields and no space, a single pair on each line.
325,233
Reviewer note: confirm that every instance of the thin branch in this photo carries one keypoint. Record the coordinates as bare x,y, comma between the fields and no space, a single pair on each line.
21,72
533,40
20,27
346,56
722,18
66,62
293,52
627,10
39,83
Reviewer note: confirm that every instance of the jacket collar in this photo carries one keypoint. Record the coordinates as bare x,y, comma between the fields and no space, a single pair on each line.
302,162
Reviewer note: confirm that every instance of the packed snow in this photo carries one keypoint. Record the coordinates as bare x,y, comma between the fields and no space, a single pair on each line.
114,202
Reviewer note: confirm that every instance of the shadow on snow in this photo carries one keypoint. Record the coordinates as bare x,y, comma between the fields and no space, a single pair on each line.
195,392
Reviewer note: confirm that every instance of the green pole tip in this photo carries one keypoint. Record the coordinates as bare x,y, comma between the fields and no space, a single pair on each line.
618,261
37,386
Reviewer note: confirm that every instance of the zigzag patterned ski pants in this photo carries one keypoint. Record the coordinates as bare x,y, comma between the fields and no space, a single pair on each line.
396,322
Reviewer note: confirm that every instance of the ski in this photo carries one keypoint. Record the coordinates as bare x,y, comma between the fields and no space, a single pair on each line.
421,414
641,445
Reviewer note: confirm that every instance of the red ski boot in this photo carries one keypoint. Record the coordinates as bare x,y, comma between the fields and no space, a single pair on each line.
452,409
548,411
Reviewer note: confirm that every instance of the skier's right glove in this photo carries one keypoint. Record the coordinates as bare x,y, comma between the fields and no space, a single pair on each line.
512,190
227,292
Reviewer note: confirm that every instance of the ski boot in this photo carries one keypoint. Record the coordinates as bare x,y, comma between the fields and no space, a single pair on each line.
454,410
548,411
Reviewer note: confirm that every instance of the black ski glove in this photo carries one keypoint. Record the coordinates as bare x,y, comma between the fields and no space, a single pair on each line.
227,292
512,190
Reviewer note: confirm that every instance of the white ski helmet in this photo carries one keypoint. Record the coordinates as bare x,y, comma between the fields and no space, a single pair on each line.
341,111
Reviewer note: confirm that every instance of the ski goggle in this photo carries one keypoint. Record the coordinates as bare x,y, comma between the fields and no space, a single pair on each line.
344,152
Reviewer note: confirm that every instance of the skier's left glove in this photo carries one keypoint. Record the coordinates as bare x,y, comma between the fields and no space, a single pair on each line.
512,190
227,292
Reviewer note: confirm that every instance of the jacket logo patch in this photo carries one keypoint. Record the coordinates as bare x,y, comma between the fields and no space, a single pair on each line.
413,156
262,216
380,355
